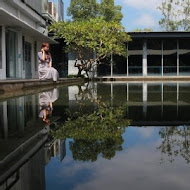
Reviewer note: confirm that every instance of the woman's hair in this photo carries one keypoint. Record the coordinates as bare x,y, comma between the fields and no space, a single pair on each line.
45,44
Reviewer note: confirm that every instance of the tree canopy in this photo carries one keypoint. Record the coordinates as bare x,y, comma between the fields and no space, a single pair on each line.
87,9
142,30
94,132
95,35
176,15
82,9
175,143
109,11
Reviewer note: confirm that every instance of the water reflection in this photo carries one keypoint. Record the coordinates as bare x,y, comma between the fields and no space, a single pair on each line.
22,134
150,104
94,132
46,100
95,148
175,143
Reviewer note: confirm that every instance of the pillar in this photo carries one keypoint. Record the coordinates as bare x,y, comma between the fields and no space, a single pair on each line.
145,99
3,53
111,64
177,57
144,62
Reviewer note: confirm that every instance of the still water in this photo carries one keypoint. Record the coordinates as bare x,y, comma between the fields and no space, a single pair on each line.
97,136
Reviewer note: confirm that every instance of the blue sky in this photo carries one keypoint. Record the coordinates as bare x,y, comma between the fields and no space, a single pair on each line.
136,13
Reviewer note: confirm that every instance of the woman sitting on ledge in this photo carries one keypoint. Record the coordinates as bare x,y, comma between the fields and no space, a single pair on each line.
45,69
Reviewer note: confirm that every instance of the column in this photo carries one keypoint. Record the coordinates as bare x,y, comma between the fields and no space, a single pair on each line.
145,99
19,54
127,92
144,58
127,61
162,58
94,68
177,98
5,120
111,94
3,53
162,97
111,64
20,114
177,57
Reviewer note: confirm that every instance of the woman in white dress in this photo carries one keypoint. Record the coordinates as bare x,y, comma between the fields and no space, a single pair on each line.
46,100
45,69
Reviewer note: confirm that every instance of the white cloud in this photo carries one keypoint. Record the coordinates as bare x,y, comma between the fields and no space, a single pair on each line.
142,4
146,21
146,133
138,168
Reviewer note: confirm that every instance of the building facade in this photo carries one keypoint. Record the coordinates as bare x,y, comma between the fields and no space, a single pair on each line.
148,54
23,27
154,54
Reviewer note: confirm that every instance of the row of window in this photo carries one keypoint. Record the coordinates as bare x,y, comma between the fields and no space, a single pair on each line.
164,57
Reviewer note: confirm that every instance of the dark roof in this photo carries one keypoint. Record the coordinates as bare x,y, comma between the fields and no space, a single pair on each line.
178,34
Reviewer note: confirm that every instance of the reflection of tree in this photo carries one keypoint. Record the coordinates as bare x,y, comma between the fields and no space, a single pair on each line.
96,132
176,141
88,150
86,92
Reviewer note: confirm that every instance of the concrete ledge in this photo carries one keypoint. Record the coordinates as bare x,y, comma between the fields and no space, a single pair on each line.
141,78
15,85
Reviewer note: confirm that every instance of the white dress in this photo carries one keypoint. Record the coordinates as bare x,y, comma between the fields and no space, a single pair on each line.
44,71
45,98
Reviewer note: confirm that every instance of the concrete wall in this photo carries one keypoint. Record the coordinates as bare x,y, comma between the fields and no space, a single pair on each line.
72,70
27,23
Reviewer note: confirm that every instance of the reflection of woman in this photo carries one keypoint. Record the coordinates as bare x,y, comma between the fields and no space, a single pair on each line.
46,112
46,100
45,69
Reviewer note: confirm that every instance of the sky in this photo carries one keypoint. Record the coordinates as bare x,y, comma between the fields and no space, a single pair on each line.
136,13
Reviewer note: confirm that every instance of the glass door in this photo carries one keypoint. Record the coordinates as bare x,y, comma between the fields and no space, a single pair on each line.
1,47
27,59
11,54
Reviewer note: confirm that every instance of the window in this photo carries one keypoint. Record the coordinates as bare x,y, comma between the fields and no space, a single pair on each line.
135,53
170,57
154,57
184,57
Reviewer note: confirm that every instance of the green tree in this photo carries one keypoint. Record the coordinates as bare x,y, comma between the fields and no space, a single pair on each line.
95,35
94,132
109,11
185,14
176,15
169,22
142,30
88,150
82,9
87,9
175,143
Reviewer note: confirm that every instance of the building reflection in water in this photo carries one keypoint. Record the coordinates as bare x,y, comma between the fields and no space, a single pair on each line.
55,148
17,114
24,144
150,104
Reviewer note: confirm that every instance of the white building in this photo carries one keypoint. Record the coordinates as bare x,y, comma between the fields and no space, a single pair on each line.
23,27
56,9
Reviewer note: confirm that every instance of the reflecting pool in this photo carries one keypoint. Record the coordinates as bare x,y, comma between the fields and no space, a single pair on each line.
99,135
